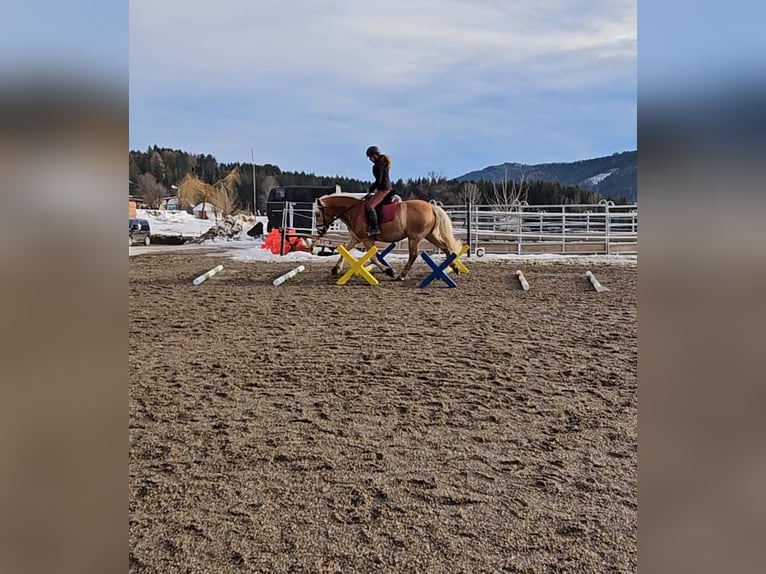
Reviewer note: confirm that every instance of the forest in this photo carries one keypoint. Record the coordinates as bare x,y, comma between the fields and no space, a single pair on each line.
158,173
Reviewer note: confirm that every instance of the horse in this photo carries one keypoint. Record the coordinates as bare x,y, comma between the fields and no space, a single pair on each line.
413,219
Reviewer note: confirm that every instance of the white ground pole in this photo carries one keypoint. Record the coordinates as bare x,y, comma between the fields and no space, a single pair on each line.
205,276
596,285
522,280
282,278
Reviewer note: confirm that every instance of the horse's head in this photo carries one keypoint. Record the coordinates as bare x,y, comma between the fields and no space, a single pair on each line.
334,206
324,214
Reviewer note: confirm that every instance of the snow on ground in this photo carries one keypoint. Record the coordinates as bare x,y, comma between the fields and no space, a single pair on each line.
249,253
251,250
174,223
163,222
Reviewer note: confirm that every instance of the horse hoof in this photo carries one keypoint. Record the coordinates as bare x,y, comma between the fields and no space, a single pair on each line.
334,272
400,278
390,272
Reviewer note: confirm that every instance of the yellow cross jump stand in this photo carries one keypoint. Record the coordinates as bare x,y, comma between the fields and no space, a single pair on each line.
358,266
459,264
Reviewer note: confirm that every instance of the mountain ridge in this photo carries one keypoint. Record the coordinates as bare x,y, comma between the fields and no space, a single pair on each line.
614,176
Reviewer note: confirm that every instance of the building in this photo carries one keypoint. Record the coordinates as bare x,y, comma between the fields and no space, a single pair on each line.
206,211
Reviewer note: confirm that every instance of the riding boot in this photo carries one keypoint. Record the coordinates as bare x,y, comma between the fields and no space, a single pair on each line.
372,219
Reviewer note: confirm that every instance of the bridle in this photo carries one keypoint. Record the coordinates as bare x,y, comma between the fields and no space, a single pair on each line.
327,223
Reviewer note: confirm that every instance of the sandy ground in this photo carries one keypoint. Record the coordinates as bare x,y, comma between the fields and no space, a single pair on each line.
317,428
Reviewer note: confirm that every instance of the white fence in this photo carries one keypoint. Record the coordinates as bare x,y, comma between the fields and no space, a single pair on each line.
602,228
588,229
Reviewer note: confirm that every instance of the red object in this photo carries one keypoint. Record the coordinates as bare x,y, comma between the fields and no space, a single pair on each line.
294,242
273,242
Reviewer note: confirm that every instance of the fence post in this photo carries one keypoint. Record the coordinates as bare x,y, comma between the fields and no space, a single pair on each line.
468,223
563,228
608,219
284,230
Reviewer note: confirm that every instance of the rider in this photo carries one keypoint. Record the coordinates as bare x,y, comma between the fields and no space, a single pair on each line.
380,189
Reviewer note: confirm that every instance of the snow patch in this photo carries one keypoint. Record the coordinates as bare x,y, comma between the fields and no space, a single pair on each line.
598,178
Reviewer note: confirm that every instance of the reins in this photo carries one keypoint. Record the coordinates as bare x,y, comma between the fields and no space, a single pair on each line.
326,225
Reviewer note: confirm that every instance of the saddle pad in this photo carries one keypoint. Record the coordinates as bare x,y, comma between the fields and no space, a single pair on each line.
389,212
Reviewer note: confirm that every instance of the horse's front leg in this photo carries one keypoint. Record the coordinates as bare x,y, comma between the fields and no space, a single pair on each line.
338,267
412,245
349,245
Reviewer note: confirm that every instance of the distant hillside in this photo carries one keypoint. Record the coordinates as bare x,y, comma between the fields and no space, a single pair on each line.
614,176
549,184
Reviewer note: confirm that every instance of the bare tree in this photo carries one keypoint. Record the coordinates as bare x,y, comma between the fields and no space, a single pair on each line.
507,198
436,185
150,190
222,195
192,191
471,193
509,195
225,196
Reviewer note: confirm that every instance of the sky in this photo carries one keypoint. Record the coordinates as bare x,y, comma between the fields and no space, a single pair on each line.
443,86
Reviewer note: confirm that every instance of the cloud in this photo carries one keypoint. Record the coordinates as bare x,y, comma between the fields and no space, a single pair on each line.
385,44
341,73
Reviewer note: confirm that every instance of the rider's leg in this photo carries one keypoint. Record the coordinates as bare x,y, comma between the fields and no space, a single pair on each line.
372,214
372,221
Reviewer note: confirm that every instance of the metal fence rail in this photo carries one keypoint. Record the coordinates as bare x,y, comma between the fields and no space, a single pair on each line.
602,228
520,228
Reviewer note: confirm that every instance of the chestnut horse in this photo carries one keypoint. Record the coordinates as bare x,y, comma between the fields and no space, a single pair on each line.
414,219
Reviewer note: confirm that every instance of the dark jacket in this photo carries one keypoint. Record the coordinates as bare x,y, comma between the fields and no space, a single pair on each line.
382,179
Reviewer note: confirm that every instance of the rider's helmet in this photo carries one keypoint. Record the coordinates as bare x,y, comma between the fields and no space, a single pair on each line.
372,150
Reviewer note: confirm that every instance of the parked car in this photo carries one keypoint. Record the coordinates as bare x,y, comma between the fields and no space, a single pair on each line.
139,232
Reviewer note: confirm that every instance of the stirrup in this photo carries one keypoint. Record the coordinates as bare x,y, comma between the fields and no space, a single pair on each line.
373,231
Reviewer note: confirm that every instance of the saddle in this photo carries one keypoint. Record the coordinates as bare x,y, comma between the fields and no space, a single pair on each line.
388,212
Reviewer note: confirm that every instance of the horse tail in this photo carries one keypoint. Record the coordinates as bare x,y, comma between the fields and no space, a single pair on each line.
443,230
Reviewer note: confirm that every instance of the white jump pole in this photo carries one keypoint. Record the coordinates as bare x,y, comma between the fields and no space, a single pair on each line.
205,276
282,278
596,285
522,280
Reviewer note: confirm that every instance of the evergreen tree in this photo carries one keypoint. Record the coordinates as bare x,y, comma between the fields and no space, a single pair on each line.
169,167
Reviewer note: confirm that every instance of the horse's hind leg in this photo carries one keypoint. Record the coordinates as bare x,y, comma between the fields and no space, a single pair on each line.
412,244
368,243
387,270
443,246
